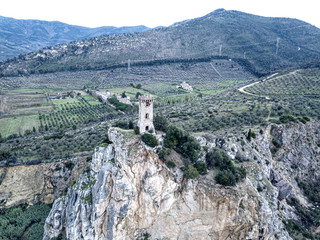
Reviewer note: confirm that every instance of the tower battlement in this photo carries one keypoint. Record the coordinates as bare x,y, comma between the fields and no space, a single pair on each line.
145,122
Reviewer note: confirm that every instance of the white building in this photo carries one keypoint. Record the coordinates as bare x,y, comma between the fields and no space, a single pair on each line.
185,86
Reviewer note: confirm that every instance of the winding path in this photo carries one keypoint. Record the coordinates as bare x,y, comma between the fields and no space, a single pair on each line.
242,89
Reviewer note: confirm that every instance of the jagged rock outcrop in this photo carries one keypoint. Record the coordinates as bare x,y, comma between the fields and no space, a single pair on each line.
130,192
31,184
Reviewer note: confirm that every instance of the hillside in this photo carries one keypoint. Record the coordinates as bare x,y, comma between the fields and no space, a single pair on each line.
24,36
267,43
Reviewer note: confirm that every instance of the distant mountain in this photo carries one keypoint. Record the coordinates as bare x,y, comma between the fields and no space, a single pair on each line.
23,36
266,43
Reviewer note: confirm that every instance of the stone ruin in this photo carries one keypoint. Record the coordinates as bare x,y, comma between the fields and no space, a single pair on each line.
145,122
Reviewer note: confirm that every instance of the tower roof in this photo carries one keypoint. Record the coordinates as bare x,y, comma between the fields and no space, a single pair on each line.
145,97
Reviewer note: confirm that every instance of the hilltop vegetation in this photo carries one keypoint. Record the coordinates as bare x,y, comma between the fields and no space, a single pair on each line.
49,112
267,43
24,36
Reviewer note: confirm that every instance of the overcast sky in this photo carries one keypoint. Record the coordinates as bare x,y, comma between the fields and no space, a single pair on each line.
151,13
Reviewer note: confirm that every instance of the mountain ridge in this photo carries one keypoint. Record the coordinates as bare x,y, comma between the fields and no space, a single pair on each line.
19,36
266,42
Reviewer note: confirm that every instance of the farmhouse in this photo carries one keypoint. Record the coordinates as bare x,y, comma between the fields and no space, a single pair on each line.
105,95
185,86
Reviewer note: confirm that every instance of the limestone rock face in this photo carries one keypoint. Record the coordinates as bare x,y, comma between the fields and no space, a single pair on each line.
130,192
35,183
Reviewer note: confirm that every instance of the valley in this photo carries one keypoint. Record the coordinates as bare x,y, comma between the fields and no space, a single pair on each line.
242,149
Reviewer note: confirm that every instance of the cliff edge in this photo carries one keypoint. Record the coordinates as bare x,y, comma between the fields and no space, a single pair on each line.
129,193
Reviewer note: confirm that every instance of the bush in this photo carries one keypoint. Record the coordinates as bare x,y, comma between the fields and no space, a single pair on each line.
160,123
287,119
201,167
228,174
70,165
149,139
182,142
190,172
171,164
4,154
162,152
138,94
249,135
46,151
225,178
218,158
174,137
130,125
119,105
276,143
107,140
121,124
54,136
136,130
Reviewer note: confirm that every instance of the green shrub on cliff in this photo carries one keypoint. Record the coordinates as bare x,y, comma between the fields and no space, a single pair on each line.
228,174
182,142
190,171
149,139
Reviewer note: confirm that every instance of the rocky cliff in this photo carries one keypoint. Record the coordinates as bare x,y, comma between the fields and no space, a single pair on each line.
30,184
130,194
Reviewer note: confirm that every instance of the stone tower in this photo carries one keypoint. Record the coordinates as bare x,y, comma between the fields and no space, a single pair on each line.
145,113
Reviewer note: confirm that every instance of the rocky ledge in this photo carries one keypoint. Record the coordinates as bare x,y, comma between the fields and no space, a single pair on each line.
129,193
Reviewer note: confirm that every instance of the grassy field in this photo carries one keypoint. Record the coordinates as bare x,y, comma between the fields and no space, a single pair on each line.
16,125
64,101
215,100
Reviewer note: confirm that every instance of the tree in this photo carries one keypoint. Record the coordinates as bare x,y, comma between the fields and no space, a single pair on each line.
123,95
249,135
149,139
201,167
182,142
160,123
131,126
190,172
225,178
218,158
45,151
138,86
138,94
136,130
173,136
4,154
171,164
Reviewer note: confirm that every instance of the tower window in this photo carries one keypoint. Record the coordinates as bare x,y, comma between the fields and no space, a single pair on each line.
147,115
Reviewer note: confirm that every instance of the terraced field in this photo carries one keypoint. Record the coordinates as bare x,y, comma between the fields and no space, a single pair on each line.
297,83
75,111
25,98
296,93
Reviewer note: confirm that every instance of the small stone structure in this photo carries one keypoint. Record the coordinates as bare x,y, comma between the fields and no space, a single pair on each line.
125,100
145,113
105,95
185,86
